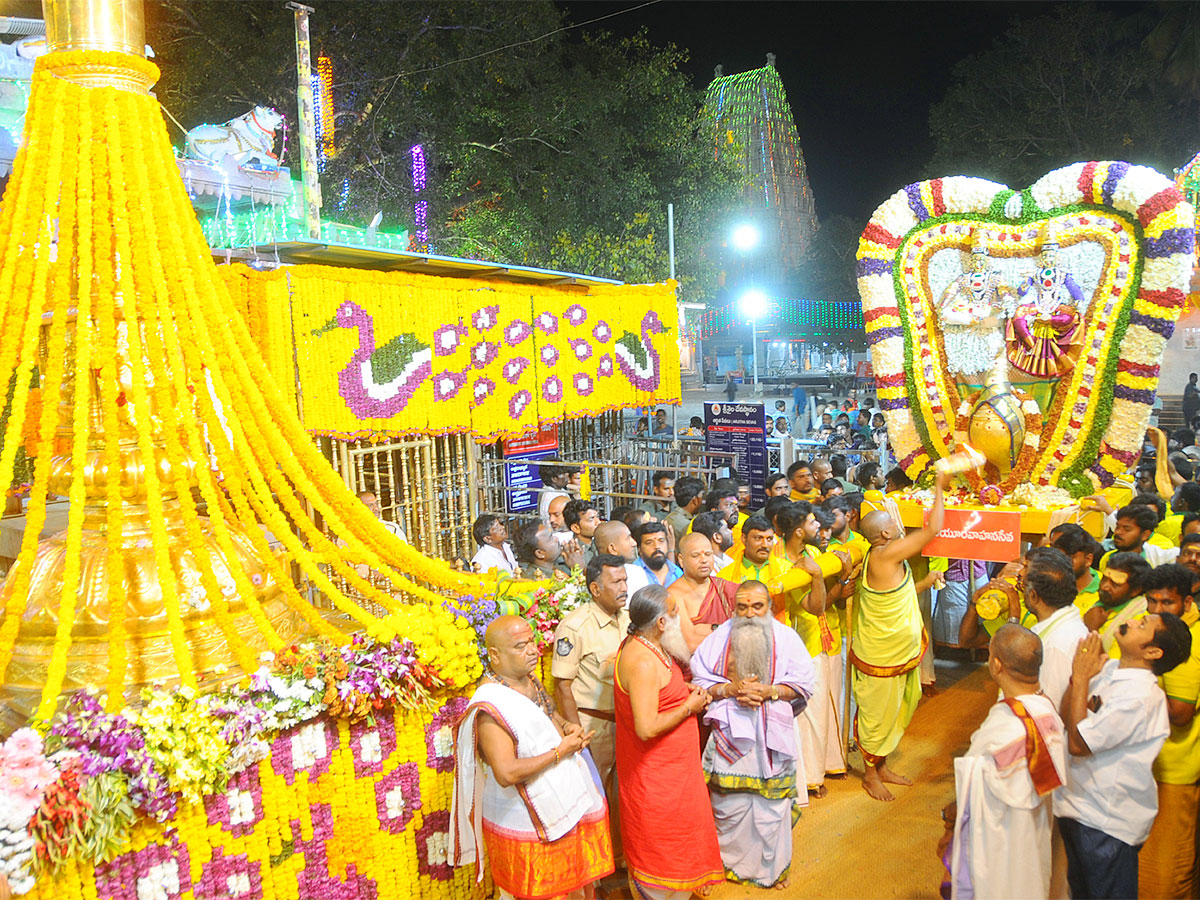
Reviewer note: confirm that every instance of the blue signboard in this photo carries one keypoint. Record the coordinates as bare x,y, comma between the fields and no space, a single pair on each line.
740,428
521,481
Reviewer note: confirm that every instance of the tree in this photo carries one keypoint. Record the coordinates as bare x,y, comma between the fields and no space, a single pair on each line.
1064,87
542,148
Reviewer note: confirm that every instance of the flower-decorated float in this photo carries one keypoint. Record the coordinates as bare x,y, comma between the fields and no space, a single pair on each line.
1028,325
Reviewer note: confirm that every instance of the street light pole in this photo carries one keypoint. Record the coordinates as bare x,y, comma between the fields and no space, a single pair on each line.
754,351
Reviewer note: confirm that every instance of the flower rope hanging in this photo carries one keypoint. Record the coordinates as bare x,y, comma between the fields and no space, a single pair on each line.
110,296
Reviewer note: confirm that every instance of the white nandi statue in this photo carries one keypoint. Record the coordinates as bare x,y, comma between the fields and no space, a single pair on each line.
248,139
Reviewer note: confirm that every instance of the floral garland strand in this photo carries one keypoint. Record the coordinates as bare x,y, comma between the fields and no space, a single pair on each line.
166,366
83,339
17,583
112,280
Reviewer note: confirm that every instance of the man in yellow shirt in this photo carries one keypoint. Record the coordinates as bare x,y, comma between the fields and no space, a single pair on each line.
1084,552
1186,500
1119,599
1189,557
1167,863
805,532
800,477
753,559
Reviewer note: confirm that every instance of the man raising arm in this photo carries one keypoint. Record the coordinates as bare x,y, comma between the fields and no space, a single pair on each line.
888,641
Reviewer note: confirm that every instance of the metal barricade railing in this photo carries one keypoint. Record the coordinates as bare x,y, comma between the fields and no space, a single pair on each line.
612,483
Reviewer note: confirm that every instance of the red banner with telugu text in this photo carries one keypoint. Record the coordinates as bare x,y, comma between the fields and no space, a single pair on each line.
986,534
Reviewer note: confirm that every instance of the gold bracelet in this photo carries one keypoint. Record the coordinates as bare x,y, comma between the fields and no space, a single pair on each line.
557,758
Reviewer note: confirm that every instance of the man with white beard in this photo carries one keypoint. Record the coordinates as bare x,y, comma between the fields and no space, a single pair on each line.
760,676
666,821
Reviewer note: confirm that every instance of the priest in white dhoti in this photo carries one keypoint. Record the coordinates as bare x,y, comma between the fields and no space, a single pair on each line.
998,829
760,676
526,797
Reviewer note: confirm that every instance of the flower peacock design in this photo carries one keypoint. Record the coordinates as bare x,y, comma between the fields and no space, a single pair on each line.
378,382
636,356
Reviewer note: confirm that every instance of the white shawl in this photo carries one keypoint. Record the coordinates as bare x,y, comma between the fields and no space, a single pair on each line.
544,808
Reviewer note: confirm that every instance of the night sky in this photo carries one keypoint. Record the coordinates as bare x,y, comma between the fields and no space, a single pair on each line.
860,77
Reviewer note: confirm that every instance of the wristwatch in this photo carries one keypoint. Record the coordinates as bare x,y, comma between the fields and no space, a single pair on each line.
774,692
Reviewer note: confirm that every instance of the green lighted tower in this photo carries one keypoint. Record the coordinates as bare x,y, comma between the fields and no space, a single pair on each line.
750,117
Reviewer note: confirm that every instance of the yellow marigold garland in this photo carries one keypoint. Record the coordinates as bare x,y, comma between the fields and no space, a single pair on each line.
98,162
82,220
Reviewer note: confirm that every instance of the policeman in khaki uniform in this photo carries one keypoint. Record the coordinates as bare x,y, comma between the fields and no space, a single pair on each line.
585,646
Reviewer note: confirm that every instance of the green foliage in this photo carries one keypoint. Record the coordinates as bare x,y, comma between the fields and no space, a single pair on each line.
558,151
1075,84
827,270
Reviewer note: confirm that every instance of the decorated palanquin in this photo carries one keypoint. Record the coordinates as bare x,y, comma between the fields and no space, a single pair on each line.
1027,324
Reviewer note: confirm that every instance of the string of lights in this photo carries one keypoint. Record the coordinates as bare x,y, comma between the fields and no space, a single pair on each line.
420,237
324,93
751,117
819,315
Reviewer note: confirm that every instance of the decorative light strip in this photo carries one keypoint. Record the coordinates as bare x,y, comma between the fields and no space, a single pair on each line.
324,94
823,315
421,207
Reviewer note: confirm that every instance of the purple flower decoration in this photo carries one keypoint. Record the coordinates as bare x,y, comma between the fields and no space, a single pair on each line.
483,353
584,384
605,368
239,808
315,880
602,332
485,317
439,735
307,747
581,347
229,877
398,797
549,355
547,322
433,842
517,404
481,390
576,314
447,337
516,331
552,389
447,384
159,870
371,745
514,368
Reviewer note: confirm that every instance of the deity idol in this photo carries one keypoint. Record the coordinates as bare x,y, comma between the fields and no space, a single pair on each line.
1045,331
971,311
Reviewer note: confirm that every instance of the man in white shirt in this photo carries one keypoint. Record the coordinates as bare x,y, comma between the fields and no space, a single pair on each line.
491,534
614,538
554,483
371,502
714,526
1050,587
1116,720
1000,820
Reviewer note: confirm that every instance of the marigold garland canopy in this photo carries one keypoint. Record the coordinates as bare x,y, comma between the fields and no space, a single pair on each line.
108,293
395,352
